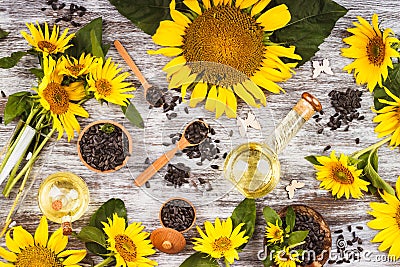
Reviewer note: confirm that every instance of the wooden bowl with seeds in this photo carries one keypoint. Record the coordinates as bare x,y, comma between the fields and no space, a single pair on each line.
319,238
178,214
104,146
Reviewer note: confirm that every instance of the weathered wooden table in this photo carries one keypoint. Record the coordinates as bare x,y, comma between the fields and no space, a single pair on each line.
143,204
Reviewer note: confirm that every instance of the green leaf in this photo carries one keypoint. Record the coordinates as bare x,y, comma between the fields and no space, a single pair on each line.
271,216
199,260
107,210
290,218
37,72
92,234
371,172
312,21
133,115
297,237
97,50
313,160
11,61
146,14
83,39
3,34
392,83
96,248
18,104
245,213
268,262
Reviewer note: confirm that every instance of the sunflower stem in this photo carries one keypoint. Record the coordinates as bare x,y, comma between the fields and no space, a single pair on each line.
357,154
16,201
105,262
8,188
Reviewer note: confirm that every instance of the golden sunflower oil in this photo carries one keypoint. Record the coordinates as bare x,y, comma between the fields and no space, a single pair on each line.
63,197
254,168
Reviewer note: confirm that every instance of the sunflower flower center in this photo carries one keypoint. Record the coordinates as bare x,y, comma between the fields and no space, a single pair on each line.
37,256
126,248
376,51
57,97
46,45
103,87
75,69
276,233
398,216
222,244
227,36
342,175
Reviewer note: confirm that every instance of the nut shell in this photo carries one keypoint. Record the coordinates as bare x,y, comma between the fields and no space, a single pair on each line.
168,240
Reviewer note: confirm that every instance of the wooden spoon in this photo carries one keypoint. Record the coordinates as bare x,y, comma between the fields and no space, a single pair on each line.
166,157
156,93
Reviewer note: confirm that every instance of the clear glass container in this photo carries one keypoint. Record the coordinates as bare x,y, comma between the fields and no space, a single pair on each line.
254,168
63,198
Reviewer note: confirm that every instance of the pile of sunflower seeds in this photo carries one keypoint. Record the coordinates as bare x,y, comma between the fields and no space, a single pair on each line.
177,174
70,12
346,105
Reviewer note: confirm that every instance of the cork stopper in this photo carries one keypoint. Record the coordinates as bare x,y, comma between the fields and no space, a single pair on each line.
66,225
307,106
312,100
168,240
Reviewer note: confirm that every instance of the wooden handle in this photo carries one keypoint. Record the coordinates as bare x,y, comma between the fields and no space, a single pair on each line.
155,167
124,54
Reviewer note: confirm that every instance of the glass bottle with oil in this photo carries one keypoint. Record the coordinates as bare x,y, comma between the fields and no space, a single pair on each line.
63,198
254,168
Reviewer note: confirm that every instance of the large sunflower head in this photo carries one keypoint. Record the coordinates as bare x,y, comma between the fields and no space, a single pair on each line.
77,67
221,240
388,119
274,233
340,177
57,98
46,42
107,85
371,50
222,49
40,250
130,245
387,220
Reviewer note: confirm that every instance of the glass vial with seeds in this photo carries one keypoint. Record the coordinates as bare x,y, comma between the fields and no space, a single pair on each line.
254,168
63,198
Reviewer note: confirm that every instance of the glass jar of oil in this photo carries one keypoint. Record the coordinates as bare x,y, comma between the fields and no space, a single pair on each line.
253,167
63,198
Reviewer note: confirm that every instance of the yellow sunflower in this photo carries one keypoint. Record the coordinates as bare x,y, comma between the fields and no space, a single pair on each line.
286,257
57,98
221,241
40,250
274,233
338,176
222,49
387,219
77,67
389,119
372,51
107,85
130,245
46,43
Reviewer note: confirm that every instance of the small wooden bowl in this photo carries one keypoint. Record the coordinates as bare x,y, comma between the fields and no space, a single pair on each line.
188,203
104,122
327,244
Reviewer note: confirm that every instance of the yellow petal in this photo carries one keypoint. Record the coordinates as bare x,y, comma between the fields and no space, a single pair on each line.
250,86
177,16
75,256
257,8
198,94
174,65
207,3
211,99
231,105
22,237
246,96
275,18
7,255
193,5
398,187
247,3
220,108
169,33
260,80
11,244
166,51
57,241
42,232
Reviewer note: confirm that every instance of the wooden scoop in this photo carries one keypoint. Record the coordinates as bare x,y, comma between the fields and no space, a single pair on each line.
155,91
166,157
